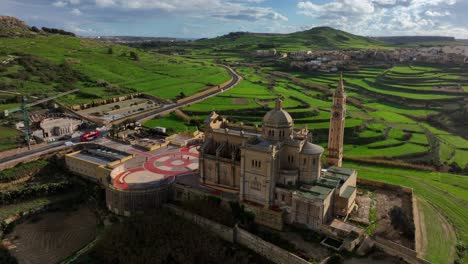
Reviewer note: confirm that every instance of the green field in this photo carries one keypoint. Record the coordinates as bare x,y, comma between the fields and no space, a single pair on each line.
156,74
8,137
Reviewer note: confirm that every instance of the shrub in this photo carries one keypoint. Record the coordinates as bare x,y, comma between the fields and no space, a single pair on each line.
401,222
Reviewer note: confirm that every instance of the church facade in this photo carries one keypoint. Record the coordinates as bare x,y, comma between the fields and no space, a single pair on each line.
277,171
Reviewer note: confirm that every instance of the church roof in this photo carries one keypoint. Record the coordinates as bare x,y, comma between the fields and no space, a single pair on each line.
311,149
278,118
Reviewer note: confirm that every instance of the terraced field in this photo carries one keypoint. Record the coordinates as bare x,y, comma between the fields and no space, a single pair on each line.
383,122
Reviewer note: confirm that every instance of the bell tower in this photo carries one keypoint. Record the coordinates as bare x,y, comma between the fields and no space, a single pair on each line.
337,125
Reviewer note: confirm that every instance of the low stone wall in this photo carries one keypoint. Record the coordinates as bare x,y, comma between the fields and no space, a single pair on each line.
397,250
205,92
266,249
224,232
385,186
242,237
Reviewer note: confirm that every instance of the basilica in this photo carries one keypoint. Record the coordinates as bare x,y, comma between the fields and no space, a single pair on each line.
276,171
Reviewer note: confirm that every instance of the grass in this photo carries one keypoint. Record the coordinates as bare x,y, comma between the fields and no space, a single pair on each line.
443,250
172,122
159,75
8,137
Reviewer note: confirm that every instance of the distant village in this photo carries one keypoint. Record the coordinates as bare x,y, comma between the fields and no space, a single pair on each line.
334,60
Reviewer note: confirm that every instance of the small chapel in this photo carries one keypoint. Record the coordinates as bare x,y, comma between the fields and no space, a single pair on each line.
277,171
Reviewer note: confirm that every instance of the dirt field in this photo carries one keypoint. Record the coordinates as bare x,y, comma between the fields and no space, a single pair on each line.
240,101
52,236
386,200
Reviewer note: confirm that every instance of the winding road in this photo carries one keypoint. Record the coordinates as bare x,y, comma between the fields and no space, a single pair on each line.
24,156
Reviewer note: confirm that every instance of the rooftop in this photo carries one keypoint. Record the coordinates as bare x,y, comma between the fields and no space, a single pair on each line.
101,155
314,192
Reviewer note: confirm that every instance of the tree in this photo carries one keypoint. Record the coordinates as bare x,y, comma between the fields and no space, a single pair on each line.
401,222
110,51
134,56
35,29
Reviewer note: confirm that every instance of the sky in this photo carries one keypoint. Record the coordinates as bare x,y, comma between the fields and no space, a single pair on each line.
211,18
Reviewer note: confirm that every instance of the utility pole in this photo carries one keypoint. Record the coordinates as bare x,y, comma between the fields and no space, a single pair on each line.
26,121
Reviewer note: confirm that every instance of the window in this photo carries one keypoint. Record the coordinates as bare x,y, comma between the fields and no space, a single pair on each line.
282,197
305,161
313,161
291,159
256,164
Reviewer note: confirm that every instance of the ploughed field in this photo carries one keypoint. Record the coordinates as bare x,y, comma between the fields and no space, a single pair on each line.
52,237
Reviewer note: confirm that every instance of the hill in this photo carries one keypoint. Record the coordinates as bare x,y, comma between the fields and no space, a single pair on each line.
315,38
54,61
13,27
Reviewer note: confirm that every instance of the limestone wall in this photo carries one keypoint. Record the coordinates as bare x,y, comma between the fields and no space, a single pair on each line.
242,237
398,250
224,232
266,249
384,186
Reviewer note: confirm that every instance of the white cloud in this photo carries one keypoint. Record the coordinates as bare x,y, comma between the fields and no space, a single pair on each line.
59,4
76,12
221,9
385,17
63,3
436,14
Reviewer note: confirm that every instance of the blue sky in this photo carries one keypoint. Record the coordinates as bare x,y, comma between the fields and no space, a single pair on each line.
210,18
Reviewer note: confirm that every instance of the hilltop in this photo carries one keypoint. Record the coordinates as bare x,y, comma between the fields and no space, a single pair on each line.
315,38
13,27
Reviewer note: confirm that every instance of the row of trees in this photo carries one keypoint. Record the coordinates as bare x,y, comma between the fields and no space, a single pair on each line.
31,191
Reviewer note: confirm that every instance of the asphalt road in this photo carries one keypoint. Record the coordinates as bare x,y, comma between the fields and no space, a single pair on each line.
172,107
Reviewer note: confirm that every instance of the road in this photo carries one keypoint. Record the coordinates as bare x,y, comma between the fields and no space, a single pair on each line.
4,162
172,107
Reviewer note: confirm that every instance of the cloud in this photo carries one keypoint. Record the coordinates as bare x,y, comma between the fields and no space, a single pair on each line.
221,9
436,14
59,4
389,17
76,12
63,3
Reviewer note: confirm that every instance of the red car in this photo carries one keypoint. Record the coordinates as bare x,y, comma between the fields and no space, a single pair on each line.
90,136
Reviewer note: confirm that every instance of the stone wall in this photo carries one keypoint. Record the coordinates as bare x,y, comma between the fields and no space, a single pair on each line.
242,237
385,186
395,249
129,202
266,249
224,232
205,92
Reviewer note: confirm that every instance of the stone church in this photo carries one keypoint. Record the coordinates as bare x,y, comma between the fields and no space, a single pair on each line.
276,171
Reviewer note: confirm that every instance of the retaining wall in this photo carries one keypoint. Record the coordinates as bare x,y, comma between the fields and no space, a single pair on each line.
397,250
242,237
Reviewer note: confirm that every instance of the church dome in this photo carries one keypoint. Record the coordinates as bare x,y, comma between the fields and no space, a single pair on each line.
311,149
278,118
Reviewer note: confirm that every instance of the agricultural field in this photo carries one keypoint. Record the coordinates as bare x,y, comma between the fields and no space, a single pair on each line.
8,137
377,127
